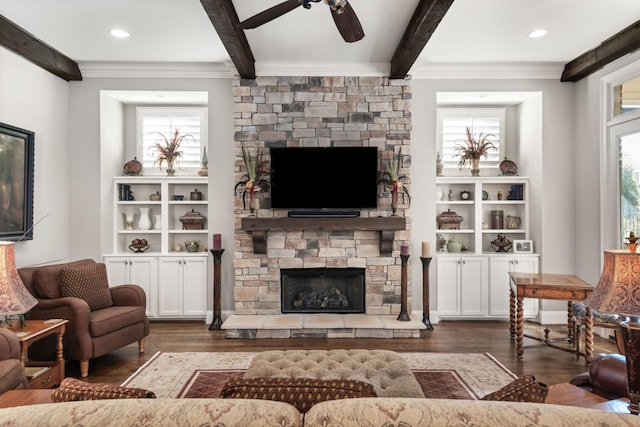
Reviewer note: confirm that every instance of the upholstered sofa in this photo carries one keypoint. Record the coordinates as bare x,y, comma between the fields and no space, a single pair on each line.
372,412
96,327
11,373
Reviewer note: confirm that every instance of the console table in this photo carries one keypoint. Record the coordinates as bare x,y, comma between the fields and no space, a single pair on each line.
387,226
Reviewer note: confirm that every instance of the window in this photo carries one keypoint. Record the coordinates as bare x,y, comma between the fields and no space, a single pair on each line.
452,124
166,120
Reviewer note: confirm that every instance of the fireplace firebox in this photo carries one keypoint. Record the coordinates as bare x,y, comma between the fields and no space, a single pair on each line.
322,290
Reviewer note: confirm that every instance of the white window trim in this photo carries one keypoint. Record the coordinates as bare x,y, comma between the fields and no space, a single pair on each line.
609,167
141,112
442,112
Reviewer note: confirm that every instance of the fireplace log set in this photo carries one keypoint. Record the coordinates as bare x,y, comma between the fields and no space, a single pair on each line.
332,298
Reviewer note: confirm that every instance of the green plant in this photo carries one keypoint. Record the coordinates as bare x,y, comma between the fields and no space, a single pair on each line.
256,177
473,148
169,151
393,181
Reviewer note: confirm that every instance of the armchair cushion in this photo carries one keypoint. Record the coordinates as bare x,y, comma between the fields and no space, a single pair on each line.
45,279
87,282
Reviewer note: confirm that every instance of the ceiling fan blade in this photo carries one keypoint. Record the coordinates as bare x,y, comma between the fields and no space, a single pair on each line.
348,23
270,14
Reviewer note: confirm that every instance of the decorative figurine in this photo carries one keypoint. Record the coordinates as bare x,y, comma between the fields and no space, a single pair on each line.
501,244
632,245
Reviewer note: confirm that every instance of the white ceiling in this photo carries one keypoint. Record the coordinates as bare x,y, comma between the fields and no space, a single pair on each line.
174,31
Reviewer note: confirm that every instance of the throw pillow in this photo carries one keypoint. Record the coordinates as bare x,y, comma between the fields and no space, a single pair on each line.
72,389
87,282
302,393
524,389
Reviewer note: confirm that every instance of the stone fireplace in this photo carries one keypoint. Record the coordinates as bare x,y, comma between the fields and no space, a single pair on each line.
317,112
322,290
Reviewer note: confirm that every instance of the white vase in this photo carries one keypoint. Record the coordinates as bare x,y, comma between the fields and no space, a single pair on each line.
128,220
144,223
157,224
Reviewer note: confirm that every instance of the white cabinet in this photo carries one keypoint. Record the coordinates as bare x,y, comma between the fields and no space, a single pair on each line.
499,268
462,286
180,293
141,271
175,281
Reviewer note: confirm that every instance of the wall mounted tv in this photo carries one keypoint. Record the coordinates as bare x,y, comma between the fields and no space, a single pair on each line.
321,178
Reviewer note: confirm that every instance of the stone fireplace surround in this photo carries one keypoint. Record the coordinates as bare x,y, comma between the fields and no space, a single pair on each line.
311,112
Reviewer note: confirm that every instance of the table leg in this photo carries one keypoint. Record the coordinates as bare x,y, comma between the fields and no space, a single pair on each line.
519,328
512,313
588,345
60,351
570,321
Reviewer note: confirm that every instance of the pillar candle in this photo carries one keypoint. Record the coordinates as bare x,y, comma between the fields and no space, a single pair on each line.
217,242
404,250
425,249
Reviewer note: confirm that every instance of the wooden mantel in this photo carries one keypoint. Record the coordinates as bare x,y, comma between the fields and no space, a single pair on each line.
259,227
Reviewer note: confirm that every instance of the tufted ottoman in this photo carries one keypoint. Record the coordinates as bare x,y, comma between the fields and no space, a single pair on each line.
386,370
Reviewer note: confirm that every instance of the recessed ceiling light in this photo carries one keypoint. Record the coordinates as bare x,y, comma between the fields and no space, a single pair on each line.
121,34
536,34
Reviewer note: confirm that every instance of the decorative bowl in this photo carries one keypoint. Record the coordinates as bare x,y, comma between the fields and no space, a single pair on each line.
178,197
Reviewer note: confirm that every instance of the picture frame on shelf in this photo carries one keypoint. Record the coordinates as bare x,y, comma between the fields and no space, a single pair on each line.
523,246
16,183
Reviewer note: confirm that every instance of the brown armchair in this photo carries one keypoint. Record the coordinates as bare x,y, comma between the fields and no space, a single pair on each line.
89,333
11,372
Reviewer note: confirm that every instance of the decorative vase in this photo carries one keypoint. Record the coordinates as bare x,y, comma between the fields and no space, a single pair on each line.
129,217
170,170
394,201
144,223
204,168
475,167
157,224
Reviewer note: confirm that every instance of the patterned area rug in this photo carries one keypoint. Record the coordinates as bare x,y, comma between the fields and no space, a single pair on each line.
441,375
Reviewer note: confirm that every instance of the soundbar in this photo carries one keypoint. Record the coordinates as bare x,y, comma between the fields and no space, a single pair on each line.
324,214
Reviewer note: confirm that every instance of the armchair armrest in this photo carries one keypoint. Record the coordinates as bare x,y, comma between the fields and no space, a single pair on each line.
75,310
9,345
128,295
608,374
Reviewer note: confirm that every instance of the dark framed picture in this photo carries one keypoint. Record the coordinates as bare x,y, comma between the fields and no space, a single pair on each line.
16,183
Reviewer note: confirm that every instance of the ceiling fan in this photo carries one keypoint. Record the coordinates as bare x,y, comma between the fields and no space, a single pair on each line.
343,14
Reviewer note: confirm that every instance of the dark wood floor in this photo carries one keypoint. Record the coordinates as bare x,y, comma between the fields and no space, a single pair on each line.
547,364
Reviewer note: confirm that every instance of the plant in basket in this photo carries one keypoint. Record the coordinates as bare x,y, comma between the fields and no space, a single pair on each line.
256,178
393,181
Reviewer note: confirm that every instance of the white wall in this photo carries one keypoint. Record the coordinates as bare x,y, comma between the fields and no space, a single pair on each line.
90,144
34,99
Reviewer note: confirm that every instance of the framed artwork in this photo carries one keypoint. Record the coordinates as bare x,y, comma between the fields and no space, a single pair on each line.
523,246
16,183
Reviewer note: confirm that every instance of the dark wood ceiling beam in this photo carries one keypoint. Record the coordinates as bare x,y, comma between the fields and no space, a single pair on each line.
225,20
32,49
424,21
624,42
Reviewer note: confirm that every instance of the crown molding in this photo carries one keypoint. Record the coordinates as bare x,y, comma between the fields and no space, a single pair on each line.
186,70
483,71
376,69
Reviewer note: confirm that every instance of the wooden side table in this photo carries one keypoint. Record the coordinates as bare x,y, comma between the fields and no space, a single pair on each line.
51,372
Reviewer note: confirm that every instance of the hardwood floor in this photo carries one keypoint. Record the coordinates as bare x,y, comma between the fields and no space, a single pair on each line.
548,365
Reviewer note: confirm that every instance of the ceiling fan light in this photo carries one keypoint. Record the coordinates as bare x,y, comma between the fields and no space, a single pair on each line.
536,34
121,34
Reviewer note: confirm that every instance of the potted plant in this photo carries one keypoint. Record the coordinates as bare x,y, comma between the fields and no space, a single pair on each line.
170,150
473,149
256,177
393,181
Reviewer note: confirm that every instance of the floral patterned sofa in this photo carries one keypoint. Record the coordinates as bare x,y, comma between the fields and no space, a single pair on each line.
377,411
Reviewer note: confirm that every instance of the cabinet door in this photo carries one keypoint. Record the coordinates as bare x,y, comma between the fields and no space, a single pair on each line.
195,286
499,268
473,286
448,285
142,272
117,270
170,286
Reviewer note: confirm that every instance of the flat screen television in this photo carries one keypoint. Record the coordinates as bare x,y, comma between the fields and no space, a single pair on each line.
321,178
